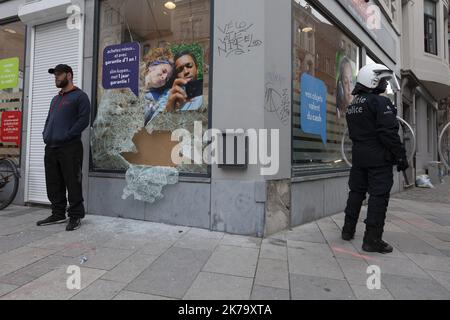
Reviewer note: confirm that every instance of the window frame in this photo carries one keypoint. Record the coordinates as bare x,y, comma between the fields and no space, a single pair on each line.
25,80
94,104
429,18
299,171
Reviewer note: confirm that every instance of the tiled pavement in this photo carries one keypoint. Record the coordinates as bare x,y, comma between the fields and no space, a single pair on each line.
126,259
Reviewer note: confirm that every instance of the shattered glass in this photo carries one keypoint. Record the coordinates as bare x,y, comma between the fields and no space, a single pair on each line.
146,183
120,117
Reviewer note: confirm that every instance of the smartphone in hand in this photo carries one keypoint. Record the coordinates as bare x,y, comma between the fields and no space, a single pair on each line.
194,89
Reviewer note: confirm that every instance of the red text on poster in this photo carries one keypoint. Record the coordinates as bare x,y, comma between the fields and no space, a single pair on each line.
11,127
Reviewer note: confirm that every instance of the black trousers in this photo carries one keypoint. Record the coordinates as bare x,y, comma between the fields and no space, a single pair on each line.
63,167
378,183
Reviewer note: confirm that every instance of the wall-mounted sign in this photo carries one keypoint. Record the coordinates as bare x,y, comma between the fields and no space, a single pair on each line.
11,126
313,106
121,67
9,73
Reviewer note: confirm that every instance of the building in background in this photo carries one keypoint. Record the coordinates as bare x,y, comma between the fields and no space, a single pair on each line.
425,73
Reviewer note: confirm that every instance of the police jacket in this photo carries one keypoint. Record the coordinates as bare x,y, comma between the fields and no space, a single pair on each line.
373,128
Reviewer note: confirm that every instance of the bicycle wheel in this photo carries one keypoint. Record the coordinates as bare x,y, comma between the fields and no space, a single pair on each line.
9,183
444,146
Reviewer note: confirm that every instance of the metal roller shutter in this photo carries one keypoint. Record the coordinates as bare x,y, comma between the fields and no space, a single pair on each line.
54,43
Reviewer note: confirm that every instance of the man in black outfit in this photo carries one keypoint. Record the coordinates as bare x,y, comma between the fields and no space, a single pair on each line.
68,116
373,128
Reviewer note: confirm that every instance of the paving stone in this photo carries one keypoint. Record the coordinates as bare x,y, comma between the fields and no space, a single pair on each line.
135,296
192,241
363,293
442,236
105,258
408,288
272,273
267,293
100,290
6,288
130,268
355,271
17,240
273,251
307,233
407,243
311,264
310,247
53,286
398,266
443,278
21,257
431,262
157,247
240,241
213,286
171,274
37,269
317,288
237,261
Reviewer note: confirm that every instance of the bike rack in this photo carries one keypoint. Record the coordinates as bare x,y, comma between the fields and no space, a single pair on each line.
399,119
441,153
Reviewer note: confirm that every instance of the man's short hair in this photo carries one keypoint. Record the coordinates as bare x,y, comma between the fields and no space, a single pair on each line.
185,53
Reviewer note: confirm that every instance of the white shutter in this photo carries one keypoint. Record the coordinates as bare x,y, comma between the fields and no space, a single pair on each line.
54,44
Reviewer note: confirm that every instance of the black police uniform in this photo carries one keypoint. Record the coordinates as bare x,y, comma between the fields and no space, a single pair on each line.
373,128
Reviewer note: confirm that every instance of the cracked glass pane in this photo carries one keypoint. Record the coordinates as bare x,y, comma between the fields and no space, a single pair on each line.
146,183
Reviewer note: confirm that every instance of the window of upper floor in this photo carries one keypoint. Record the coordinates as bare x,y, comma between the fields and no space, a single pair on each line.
430,27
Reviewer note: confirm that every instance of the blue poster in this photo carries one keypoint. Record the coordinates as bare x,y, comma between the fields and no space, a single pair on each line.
313,106
121,67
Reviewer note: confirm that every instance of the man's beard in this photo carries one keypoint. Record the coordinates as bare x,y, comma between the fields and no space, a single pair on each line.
63,84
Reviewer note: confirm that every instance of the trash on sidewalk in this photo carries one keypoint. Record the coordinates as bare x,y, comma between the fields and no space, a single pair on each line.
83,260
423,181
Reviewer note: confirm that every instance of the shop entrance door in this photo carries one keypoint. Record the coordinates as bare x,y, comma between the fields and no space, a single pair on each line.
52,43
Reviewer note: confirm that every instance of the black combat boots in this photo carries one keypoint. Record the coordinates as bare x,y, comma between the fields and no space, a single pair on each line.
348,231
373,243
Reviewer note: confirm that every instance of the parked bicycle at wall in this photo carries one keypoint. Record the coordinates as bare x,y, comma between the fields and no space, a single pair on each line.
9,182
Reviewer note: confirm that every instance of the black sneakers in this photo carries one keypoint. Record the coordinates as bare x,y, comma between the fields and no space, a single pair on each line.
74,224
53,219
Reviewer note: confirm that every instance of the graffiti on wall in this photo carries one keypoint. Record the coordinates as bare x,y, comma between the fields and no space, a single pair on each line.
236,38
277,99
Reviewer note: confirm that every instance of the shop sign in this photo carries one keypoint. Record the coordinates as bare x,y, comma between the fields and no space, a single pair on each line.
9,73
313,113
121,67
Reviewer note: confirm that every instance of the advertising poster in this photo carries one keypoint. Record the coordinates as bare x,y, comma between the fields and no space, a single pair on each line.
313,111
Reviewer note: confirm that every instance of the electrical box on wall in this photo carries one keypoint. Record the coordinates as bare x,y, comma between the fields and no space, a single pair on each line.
233,150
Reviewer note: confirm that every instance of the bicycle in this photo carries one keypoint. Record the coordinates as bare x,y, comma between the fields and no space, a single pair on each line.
9,182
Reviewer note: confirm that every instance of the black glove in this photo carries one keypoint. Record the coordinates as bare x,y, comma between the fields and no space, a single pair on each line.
402,164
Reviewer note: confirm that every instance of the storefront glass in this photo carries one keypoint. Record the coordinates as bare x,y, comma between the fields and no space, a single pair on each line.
12,49
325,64
140,105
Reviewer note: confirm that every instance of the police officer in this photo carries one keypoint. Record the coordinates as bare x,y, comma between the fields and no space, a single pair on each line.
373,128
